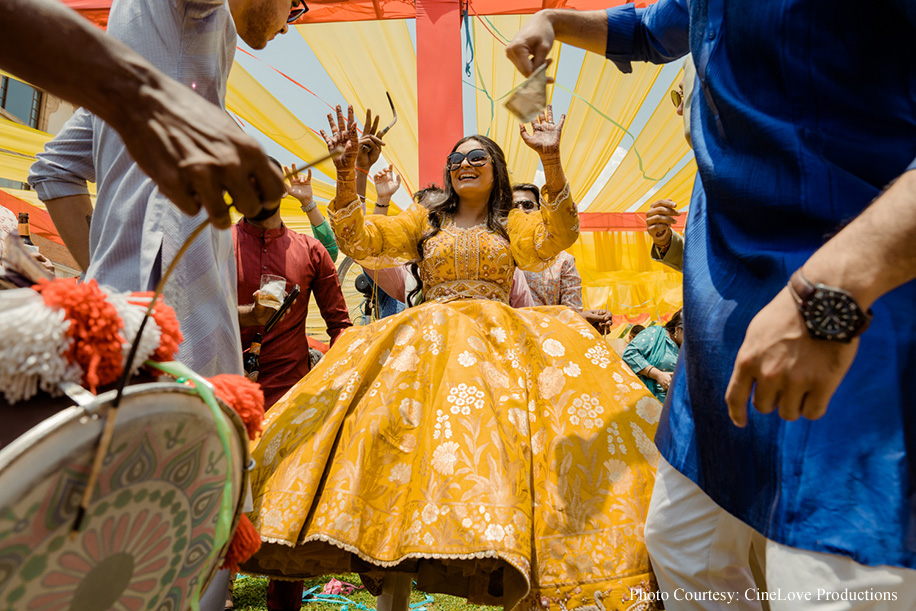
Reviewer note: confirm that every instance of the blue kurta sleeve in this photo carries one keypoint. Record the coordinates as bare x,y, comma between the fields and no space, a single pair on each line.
657,34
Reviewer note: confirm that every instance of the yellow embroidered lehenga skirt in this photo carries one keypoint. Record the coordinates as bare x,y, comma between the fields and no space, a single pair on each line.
502,455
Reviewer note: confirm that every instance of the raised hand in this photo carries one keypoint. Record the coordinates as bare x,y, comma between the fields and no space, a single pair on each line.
345,137
386,182
659,219
370,145
299,187
544,138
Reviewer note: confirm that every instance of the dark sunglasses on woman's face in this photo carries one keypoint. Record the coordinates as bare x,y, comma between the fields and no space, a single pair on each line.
296,13
477,158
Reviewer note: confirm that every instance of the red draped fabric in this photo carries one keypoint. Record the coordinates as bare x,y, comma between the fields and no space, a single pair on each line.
438,83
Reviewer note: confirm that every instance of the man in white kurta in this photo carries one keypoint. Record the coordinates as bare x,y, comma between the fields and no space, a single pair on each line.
135,232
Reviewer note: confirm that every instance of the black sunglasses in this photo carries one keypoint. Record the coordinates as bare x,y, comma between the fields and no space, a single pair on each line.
477,158
296,13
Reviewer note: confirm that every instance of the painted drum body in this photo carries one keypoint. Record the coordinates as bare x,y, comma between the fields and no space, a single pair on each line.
148,538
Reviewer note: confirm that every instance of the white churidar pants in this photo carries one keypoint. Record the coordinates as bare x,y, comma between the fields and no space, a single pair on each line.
701,554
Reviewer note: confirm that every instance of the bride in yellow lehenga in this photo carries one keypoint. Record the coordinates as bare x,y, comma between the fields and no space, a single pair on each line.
502,455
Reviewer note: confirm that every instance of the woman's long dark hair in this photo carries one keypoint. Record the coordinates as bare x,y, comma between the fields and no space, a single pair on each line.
443,207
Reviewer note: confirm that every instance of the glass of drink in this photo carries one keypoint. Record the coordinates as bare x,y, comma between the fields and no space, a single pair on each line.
272,291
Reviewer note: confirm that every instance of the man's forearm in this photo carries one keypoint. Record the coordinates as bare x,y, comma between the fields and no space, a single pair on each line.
584,29
876,252
75,60
72,216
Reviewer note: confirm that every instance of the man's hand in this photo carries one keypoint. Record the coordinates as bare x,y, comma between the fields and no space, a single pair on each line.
195,154
254,314
531,45
793,372
600,319
659,219
584,29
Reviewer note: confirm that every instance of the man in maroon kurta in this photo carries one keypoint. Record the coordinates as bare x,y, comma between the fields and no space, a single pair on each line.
270,247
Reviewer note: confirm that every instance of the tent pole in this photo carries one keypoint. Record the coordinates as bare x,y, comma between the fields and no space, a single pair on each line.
441,120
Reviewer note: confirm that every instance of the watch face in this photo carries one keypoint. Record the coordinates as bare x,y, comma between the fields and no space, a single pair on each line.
833,315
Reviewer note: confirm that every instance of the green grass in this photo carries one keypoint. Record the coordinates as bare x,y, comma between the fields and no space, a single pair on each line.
251,593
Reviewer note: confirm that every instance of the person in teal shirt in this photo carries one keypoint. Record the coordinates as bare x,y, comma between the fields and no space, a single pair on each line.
300,187
652,355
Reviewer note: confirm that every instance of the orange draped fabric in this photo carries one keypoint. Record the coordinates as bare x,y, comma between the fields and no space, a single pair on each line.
329,11
39,220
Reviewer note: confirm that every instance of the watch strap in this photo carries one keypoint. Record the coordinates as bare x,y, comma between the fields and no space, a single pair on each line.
805,292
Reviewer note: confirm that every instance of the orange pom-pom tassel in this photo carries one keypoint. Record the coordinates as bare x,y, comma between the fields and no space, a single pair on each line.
94,328
171,337
244,396
245,542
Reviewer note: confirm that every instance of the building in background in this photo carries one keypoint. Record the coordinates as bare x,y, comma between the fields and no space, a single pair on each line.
22,104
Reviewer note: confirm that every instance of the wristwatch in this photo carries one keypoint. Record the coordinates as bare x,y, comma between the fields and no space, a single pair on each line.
310,206
830,313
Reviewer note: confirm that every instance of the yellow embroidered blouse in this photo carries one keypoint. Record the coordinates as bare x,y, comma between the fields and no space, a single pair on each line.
459,263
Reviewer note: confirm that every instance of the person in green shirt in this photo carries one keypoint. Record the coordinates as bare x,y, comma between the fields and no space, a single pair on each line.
652,355
300,187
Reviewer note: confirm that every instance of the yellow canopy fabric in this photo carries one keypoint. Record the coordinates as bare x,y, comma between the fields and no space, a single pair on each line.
494,77
18,146
658,148
21,138
378,56
602,162
619,275
589,141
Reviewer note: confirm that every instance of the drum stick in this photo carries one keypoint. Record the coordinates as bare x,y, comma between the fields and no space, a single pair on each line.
332,154
112,414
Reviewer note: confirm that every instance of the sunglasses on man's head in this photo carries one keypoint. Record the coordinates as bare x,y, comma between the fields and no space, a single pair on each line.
296,13
477,158
676,97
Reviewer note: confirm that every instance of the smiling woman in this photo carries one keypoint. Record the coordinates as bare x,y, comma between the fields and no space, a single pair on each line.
443,441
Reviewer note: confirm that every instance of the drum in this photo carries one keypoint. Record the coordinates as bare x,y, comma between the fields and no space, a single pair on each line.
147,540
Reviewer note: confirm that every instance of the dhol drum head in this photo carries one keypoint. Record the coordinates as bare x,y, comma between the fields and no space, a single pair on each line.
147,541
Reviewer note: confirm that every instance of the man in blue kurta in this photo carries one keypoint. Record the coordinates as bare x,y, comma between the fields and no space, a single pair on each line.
804,112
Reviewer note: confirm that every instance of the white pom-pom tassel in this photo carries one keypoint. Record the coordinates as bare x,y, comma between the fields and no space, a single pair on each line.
33,346
131,312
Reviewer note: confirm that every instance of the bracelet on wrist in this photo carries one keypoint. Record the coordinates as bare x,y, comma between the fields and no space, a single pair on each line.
359,169
377,205
310,206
